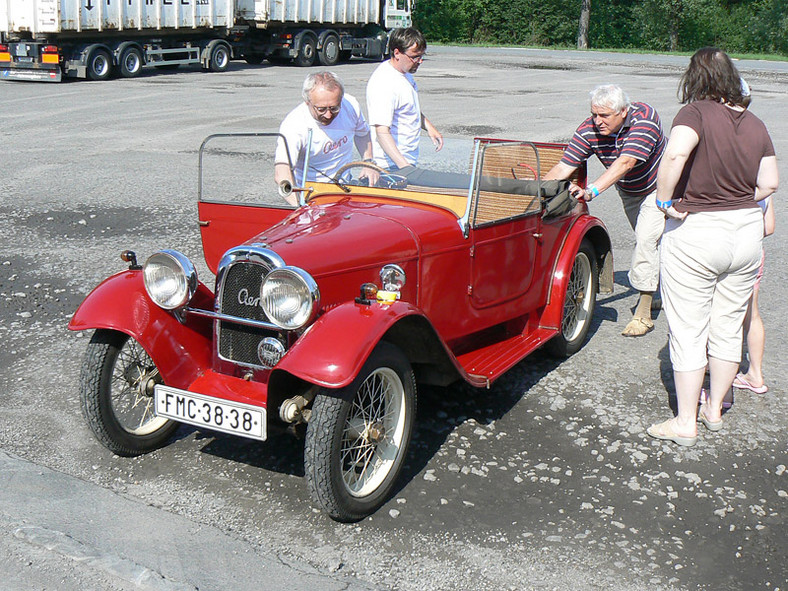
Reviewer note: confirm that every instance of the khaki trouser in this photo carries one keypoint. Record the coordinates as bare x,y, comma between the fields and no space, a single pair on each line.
648,222
709,263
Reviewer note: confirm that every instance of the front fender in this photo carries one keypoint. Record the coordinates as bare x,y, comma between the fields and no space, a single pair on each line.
182,352
331,352
595,231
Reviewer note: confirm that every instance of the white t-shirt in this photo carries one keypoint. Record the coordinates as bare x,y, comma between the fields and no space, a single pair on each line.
393,101
332,144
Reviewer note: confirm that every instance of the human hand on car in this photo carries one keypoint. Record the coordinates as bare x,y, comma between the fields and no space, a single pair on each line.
370,174
577,192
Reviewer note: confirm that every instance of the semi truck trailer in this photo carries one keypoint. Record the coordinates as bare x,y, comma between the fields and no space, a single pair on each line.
95,39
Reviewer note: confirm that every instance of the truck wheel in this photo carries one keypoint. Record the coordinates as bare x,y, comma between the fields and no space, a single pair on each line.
579,302
357,437
220,58
307,55
116,389
99,64
130,62
329,55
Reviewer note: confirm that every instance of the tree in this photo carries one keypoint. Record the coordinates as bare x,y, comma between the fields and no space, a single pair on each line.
585,17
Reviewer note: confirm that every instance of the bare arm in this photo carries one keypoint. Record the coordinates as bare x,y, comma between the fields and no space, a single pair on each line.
282,172
432,131
682,142
563,171
364,146
615,172
559,172
768,219
768,178
386,141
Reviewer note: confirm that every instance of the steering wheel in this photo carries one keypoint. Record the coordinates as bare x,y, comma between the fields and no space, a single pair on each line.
386,180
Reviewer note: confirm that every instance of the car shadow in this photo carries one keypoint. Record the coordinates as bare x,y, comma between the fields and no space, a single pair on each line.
282,452
441,410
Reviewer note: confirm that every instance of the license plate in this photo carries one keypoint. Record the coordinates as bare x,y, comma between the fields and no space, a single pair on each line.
205,411
27,60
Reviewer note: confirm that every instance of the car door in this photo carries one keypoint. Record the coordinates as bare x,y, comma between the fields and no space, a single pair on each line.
505,235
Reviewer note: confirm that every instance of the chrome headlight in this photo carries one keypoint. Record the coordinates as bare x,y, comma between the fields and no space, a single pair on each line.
170,279
392,278
289,297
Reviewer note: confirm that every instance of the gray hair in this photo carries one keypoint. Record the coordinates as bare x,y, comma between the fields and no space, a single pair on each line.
327,80
610,96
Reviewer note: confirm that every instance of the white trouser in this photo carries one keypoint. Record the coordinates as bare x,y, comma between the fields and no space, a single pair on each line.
708,265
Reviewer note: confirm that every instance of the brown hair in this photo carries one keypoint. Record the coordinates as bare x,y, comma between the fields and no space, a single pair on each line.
403,39
711,75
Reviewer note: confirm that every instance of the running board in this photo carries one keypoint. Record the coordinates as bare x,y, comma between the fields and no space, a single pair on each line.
485,365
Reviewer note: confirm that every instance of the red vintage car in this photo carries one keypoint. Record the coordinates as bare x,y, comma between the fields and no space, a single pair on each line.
330,314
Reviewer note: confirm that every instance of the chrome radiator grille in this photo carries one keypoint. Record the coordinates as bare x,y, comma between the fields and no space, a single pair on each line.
240,297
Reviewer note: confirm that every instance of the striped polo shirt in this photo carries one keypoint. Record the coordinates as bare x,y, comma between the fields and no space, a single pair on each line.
640,137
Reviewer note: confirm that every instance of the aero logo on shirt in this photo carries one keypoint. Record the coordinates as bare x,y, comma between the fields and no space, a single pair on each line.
331,146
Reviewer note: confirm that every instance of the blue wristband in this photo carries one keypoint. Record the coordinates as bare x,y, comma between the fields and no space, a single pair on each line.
593,190
664,204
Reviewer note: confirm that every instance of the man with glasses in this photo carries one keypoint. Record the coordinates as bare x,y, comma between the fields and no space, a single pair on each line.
337,124
393,103
628,140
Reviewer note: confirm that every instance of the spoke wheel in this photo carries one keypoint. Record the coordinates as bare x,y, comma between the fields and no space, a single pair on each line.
358,437
579,302
116,390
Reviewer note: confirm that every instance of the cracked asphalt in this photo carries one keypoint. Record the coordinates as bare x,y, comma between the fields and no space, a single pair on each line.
545,481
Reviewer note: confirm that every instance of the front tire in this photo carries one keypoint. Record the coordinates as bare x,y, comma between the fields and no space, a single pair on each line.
307,55
116,390
358,436
579,303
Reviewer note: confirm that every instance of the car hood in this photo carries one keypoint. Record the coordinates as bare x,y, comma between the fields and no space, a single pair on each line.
334,237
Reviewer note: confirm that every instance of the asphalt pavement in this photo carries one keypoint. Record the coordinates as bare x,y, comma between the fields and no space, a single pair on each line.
545,481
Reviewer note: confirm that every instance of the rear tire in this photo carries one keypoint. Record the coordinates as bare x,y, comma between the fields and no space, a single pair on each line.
130,62
116,390
220,58
579,303
99,64
329,55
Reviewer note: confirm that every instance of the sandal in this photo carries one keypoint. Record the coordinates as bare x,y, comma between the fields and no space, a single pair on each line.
740,381
709,424
665,432
638,326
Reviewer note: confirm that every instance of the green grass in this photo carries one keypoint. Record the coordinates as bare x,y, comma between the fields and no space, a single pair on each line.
740,56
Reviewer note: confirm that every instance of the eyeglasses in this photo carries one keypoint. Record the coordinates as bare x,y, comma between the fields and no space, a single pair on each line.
416,59
323,110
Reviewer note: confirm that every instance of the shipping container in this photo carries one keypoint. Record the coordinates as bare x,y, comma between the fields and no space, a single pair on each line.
49,39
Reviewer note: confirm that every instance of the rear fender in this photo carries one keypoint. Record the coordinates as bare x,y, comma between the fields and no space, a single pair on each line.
585,227
333,350
181,352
